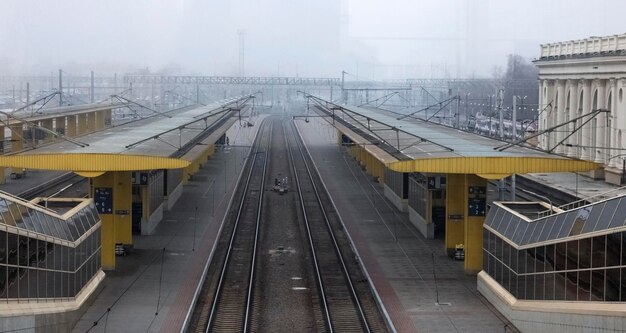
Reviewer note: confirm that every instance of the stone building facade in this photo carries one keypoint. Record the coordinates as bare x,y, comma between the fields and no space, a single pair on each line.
577,78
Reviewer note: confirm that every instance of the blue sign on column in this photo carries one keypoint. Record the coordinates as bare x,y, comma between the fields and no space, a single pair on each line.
103,198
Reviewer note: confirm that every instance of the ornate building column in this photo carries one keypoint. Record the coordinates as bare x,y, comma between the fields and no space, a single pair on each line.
586,130
572,91
611,131
549,111
619,121
543,87
600,141
559,115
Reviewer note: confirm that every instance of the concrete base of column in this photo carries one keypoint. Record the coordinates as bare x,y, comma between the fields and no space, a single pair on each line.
426,228
597,174
401,204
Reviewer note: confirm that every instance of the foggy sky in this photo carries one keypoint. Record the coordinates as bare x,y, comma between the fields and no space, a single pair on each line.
371,39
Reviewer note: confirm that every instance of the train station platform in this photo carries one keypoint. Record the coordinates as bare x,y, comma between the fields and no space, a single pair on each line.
423,290
580,186
410,272
160,274
419,162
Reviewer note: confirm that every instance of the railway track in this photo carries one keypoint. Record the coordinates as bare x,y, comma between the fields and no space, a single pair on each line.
341,297
526,187
224,305
286,250
55,186
231,307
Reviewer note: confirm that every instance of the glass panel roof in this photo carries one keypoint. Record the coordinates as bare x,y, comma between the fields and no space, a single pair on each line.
619,217
46,222
596,217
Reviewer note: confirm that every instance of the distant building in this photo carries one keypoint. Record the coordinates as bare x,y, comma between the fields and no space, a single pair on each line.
577,78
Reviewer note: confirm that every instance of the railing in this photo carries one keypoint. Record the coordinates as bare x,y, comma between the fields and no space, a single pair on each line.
607,44
586,201
593,198
234,80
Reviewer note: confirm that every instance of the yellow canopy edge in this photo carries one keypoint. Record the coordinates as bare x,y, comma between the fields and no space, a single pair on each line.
91,162
493,167
89,174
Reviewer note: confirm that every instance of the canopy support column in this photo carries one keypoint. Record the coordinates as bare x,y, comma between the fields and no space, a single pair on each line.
112,194
465,209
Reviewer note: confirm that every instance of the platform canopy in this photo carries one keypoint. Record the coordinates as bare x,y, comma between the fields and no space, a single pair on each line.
155,142
418,145
34,114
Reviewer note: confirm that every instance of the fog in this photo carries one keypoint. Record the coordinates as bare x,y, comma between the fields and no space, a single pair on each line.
370,39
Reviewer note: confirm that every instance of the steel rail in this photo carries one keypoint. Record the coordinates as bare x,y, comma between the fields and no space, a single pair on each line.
338,252
218,293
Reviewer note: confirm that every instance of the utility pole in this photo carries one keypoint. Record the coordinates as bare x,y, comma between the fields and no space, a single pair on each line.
490,115
92,89
501,112
27,95
466,108
343,92
514,120
458,112
242,54
499,101
513,139
197,94
60,87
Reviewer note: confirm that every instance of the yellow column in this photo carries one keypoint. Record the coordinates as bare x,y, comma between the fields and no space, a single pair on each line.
99,120
91,122
112,192
187,173
145,201
107,118
475,196
81,124
59,125
17,143
196,165
71,127
455,211
464,225
47,124
380,171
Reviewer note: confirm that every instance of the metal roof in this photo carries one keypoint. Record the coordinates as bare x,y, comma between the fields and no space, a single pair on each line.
424,146
151,143
51,113
435,140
